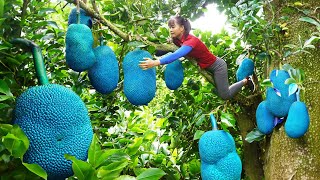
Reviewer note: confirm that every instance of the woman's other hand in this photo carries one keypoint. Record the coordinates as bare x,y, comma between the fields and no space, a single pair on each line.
148,63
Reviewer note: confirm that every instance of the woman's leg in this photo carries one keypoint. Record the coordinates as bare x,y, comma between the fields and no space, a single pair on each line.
220,75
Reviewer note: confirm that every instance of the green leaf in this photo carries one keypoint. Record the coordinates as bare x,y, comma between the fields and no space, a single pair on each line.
125,177
5,97
200,120
16,142
111,155
4,88
81,169
36,169
194,166
266,83
2,105
228,119
286,67
310,20
254,135
112,170
94,151
290,46
134,147
151,173
290,81
301,75
235,11
198,134
1,8
293,88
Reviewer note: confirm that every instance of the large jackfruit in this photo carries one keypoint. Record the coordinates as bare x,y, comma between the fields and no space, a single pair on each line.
104,75
245,69
278,99
84,18
297,123
219,159
265,119
173,75
139,85
55,120
79,51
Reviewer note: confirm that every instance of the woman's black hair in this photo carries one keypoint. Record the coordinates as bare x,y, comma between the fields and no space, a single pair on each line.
182,22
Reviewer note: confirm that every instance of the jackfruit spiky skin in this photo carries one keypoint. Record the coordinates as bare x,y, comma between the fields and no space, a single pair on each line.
265,120
79,51
298,120
173,75
56,122
104,74
245,69
84,18
139,85
279,106
278,79
219,159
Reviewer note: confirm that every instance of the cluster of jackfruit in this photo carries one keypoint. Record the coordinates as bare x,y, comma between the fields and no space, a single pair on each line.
245,69
101,62
279,104
139,85
173,75
219,159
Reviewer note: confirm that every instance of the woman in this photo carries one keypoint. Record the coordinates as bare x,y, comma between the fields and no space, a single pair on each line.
192,47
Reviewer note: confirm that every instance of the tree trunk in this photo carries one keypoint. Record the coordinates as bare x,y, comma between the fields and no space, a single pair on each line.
251,162
288,158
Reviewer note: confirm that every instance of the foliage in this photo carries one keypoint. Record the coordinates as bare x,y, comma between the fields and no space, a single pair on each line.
13,145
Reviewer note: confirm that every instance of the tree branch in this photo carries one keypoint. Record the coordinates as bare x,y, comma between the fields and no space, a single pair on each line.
164,47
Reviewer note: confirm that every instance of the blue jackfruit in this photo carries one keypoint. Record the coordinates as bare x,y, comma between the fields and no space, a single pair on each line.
79,51
56,122
279,106
245,69
84,18
173,75
219,159
278,78
265,120
298,120
104,75
139,85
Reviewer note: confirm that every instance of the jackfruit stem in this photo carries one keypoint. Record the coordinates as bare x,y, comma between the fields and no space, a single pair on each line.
101,40
37,59
78,12
298,95
213,122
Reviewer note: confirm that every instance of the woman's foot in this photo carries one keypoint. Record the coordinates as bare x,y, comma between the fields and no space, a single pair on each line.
250,83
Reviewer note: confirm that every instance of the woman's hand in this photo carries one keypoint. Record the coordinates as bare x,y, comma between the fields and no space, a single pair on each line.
148,63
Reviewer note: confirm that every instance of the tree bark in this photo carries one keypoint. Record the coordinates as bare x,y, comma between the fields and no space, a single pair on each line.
288,158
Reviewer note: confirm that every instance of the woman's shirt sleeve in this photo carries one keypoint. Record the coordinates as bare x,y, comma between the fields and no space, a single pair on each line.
182,51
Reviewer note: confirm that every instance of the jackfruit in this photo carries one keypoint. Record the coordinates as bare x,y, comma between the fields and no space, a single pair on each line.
84,18
219,159
139,85
245,69
279,106
173,75
55,120
278,78
79,51
265,120
298,120
104,75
